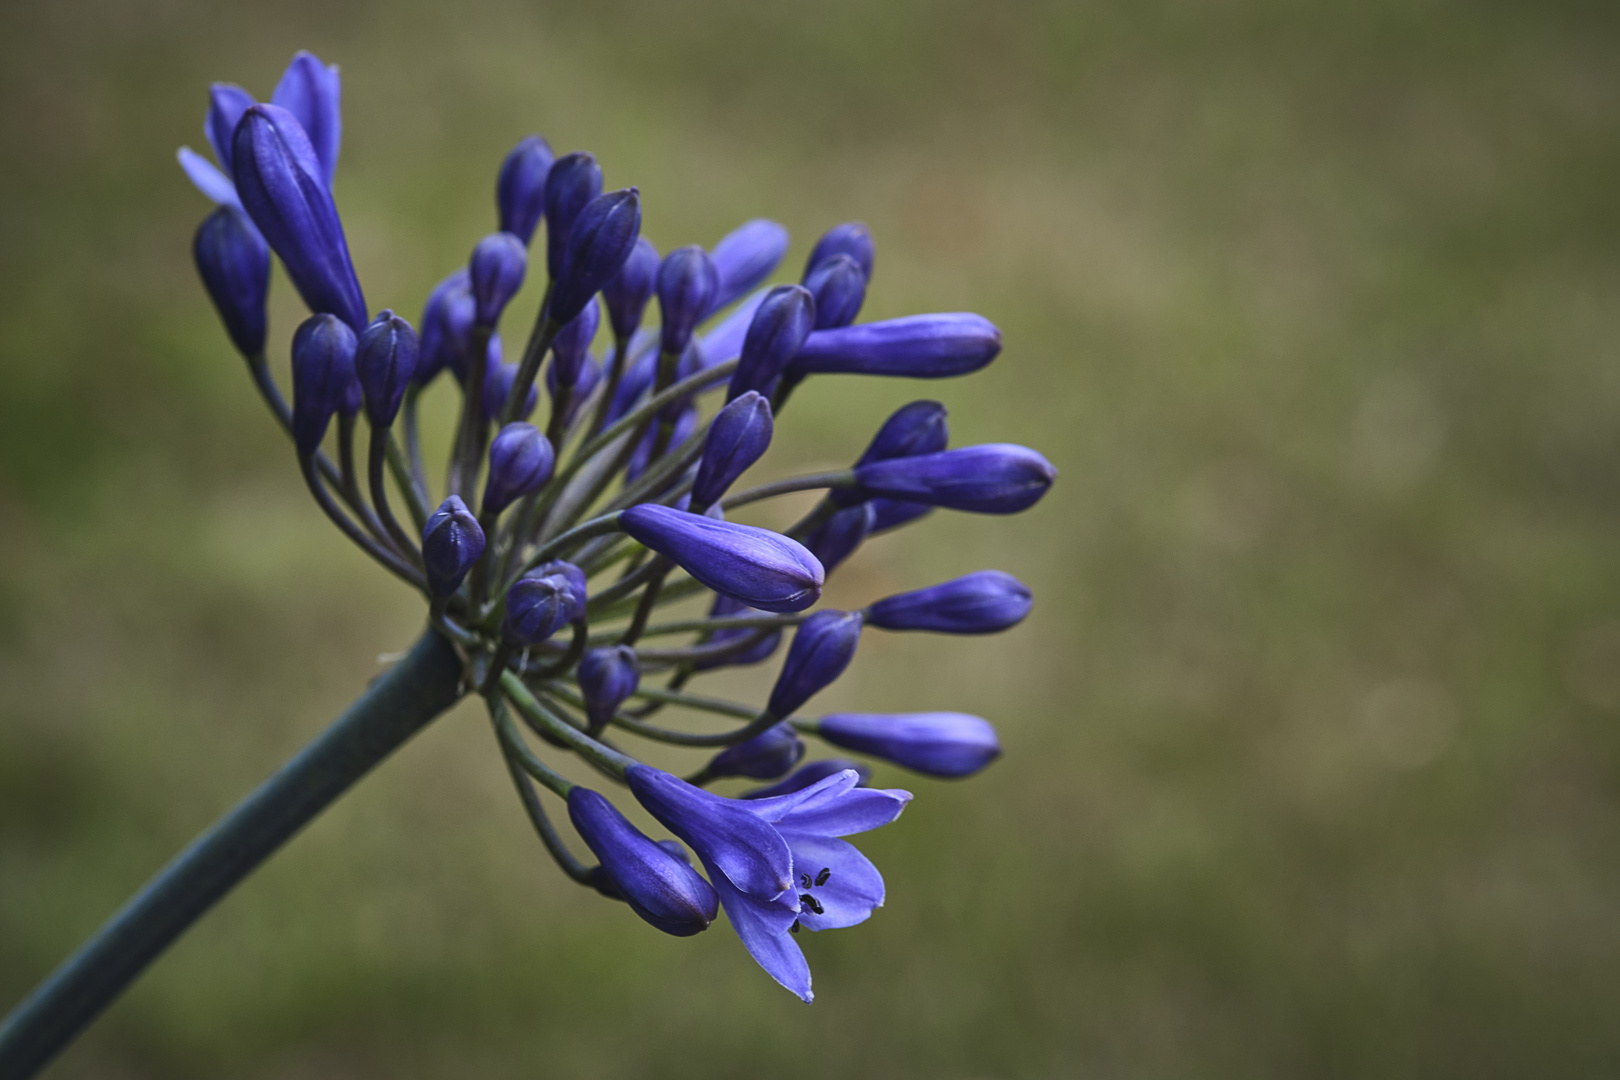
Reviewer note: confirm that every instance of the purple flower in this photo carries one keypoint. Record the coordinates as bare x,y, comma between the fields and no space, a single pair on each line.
447,321
939,744
839,287
778,331
762,569
980,603
607,678
322,369
764,757
837,539
995,478
778,863
917,346
520,461
520,190
234,264
658,886
496,272
738,437
539,604
451,542
284,190
822,648
852,239
744,257
599,241
687,283
572,182
385,360
803,778
571,347
628,291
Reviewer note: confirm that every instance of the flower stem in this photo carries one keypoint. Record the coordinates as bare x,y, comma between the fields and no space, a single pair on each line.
422,685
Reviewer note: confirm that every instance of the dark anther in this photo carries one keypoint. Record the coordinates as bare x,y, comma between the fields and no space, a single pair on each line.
811,902
804,881
821,878
795,927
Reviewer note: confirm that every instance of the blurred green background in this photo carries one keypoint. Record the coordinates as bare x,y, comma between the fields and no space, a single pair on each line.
1312,765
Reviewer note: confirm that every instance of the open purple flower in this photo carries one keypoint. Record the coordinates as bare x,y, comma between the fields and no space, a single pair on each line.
779,863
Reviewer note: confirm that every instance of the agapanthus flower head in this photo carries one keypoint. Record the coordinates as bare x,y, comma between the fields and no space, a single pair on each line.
812,773
738,436
452,541
744,257
822,648
777,332
916,346
539,604
687,283
837,538
852,238
944,744
627,292
839,286
447,320
234,263
571,347
323,369
981,603
780,862
763,569
764,757
283,188
571,183
520,462
496,271
520,189
312,92
599,241
384,361
995,478
607,678
658,886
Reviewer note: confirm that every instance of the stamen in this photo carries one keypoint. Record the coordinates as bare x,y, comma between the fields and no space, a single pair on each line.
821,878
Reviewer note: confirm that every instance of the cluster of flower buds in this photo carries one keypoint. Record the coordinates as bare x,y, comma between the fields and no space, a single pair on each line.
547,575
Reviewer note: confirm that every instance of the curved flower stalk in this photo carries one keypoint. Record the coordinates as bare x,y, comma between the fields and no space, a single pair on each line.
553,545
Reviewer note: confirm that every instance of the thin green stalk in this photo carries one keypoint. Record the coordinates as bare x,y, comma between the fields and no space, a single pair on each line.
586,747
841,478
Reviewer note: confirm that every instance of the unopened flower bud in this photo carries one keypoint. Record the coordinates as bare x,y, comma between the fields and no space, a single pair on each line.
575,578
600,240
628,291
447,321
917,428
892,513
764,757
917,347
812,773
995,478
660,887
761,568
837,539
852,239
744,257
498,387
451,542
687,283
385,360
572,345
822,648
322,369
686,422
574,180
839,287
496,272
590,374
738,437
607,678
520,190
939,744
283,188
520,462
778,331
234,264
980,603
538,605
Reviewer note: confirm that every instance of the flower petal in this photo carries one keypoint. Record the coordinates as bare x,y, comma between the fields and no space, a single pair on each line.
208,178
822,792
725,833
857,811
312,92
763,927
853,886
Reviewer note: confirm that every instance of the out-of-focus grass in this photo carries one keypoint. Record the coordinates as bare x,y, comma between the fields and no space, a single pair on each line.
1312,761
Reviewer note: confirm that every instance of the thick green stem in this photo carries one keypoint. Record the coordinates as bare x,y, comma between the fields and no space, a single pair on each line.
422,685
